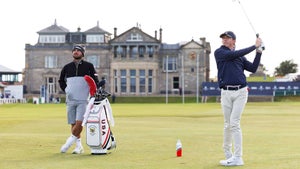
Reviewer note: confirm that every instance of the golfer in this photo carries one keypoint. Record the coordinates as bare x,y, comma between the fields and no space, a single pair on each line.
231,64
72,82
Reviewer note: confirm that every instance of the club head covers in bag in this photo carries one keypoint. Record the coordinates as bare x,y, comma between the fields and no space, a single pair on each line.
90,81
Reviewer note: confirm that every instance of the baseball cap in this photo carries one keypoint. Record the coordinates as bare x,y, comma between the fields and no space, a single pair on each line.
80,48
229,34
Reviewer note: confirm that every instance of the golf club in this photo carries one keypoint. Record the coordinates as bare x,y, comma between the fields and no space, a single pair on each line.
244,11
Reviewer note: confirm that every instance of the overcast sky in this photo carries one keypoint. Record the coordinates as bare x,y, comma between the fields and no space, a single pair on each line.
181,20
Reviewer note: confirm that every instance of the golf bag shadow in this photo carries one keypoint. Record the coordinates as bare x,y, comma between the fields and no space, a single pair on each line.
98,120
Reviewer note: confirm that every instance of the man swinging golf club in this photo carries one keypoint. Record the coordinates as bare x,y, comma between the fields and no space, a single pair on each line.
231,64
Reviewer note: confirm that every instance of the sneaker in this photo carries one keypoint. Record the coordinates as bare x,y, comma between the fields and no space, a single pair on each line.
233,161
228,155
78,150
68,144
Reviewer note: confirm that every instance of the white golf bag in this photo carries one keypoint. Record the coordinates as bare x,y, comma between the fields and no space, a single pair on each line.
98,120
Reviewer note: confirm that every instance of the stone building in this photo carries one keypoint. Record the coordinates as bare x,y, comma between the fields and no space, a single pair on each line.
134,63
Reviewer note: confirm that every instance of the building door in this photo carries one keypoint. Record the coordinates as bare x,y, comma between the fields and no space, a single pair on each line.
51,86
175,82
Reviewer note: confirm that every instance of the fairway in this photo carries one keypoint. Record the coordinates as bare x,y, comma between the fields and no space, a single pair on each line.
31,136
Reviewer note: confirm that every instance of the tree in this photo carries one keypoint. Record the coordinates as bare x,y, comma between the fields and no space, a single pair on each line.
285,68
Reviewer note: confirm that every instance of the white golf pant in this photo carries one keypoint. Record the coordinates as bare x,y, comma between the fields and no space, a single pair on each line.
233,103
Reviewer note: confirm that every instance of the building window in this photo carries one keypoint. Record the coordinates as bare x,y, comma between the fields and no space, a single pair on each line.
133,51
141,51
150,80
142,81
95,38
150,51
52,39
115,81
50,61
171,64
135,37
9,77
115,51
94,60
122,51
132,81
123,81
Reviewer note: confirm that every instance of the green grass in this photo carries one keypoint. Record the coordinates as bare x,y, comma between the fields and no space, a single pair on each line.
260,79
31,136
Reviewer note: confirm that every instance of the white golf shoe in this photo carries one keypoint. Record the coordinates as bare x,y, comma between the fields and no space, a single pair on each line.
233,161
78,150
68,144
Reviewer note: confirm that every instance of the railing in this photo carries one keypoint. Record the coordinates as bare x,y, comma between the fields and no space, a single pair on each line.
286,93
12,100
258,89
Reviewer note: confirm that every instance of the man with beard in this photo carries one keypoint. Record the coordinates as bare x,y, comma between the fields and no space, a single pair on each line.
72,82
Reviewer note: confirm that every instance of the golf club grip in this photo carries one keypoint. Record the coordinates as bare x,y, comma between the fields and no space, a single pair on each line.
263,46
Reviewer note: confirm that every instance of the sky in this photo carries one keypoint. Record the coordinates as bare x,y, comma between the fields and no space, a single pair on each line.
180,20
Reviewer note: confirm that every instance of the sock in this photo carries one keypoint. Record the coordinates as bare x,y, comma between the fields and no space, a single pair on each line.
78,142
71,139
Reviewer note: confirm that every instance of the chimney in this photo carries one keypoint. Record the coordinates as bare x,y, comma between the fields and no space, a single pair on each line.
160,34
203,41
78,29
115,32
155,34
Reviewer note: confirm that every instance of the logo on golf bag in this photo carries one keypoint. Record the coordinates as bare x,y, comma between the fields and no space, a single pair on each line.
92,130
103,122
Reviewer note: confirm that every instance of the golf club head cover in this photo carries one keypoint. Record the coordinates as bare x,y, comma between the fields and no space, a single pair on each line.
90,81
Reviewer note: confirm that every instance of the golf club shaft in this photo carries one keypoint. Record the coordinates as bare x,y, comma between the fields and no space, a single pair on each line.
257,35
244,11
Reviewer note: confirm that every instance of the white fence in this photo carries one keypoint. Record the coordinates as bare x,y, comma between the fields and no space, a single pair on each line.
12,100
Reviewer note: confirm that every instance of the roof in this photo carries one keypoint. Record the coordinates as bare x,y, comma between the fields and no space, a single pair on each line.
54,29
170,46
191,42
97,29
4,69
147,37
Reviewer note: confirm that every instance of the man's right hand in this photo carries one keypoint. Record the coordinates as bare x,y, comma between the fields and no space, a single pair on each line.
258,42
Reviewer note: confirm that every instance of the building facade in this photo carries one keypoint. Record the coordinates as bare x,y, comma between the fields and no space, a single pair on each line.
134,63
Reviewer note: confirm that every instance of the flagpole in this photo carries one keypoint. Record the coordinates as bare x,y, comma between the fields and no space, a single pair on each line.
182,78
167,60
197,83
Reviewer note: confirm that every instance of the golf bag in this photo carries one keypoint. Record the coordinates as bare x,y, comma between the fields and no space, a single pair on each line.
98,120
